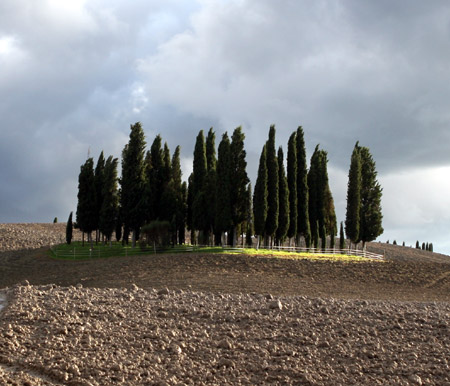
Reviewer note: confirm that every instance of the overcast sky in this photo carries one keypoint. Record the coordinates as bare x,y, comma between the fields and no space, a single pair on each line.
75,74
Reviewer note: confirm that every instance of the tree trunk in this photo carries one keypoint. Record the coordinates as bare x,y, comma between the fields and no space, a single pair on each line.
133,238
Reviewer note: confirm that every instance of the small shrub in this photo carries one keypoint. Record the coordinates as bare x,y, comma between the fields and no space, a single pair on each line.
55,220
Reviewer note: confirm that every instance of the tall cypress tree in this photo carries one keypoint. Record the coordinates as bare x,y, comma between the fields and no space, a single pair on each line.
371,191
109,210
260,205
283,197
303,223
249,220
272,185
133,181
292,184
199,217
341,237
86,208
222,220
352,219
210,183
315,209
99,178
239,181
157,178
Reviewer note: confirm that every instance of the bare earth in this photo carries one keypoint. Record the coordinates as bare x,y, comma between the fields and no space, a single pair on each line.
218,319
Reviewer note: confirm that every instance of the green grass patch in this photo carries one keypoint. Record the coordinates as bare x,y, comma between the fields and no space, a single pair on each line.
76,251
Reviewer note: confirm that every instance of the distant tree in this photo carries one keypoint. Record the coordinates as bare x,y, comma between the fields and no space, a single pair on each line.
110,202
55,220
272,186
292,184
403,244
430,247
303,222
86,208
210,182
353,216
395,242
222,215
417,244
332,239
69,229
260,197
341,237
133,182
426,247
239,182
423,246
283,199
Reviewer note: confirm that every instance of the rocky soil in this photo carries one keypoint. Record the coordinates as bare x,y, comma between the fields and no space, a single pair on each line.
222,319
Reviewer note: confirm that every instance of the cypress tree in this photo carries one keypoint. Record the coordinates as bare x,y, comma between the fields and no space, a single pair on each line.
99,178
249,220
430,247
417,244
272,185
292,184
371,191
69,229
222,213
190,203
341,237
315,210
210,183
183,214
239,181
352,219
109,209
303,222
283,194
133,182
260,205
423,246
86,208
157,176
199,216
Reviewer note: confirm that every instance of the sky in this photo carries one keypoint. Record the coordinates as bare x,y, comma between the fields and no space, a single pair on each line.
75,74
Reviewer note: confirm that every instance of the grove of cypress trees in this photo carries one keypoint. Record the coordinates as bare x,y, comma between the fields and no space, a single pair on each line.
272,186
303,222
260,205
352,219
239,181
222,218
133,182
283,198
292,184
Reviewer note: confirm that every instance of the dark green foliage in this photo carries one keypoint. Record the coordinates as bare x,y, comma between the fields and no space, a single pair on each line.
394,242
423,246
332,239
371,191
417,244
156,233
260,196
323,237
292,184
238,182
283,199
190,202
303,221
158,174
403,244
211,181
69,229
222,220
430,247
110,198
272,185
315,235
211,160
341,237
55,220
352,220
133,181
86,208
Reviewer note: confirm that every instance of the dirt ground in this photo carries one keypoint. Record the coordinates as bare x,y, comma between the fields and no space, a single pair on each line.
213,319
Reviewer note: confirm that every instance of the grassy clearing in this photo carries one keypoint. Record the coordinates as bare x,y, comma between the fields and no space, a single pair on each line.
76,251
